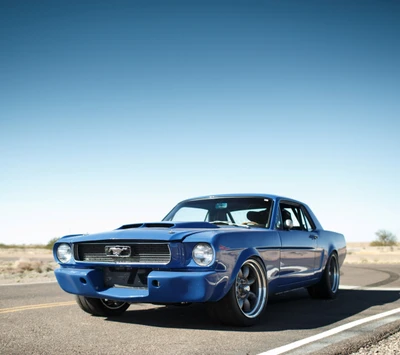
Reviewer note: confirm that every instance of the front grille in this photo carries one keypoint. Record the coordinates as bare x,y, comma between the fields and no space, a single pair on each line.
142,253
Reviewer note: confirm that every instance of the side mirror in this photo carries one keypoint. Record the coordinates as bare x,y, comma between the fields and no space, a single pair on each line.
288,224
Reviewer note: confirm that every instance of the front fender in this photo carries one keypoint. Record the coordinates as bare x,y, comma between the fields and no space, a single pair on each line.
241,258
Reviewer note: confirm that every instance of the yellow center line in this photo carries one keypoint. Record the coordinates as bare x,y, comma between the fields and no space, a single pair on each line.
36,306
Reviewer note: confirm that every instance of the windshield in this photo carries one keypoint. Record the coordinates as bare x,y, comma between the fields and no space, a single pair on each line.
250,211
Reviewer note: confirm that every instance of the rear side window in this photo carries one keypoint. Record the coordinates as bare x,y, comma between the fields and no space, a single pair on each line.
306,220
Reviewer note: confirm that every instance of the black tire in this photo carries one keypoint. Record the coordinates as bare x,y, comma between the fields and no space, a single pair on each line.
101,307
245,302
328,286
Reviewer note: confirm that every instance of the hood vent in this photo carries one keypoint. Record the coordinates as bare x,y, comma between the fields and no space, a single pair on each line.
167,225
147,225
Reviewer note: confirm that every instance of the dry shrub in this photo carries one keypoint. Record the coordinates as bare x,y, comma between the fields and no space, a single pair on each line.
49,267
22,266
37,266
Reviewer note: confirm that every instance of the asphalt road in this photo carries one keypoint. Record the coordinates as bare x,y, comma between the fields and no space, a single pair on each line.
42,319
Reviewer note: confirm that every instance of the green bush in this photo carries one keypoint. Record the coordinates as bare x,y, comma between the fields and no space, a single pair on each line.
50,244
384,239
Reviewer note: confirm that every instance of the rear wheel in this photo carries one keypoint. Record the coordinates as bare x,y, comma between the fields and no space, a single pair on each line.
328,286
101,307
245,302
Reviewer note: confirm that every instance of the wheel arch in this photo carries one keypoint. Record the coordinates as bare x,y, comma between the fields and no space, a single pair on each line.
322,262
250,253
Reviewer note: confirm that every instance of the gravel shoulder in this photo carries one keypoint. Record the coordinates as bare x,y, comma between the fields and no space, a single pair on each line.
387,342
388,346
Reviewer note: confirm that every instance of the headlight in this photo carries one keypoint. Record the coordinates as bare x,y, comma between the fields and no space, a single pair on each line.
203,254
64,253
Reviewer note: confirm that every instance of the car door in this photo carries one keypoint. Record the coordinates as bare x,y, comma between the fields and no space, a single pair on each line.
299,244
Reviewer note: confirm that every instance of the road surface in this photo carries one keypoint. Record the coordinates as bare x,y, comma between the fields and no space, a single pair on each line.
42,319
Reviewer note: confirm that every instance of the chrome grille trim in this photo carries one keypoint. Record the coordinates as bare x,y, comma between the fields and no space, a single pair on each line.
141,253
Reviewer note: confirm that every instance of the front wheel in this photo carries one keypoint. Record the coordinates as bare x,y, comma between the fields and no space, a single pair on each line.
101,307
328,286
245,302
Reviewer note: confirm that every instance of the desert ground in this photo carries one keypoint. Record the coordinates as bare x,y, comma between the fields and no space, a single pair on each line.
363,253
26,265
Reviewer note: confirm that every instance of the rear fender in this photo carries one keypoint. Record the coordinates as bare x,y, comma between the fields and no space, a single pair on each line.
331,242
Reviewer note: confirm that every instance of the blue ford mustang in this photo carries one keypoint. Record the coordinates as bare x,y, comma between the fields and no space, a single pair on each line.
229,251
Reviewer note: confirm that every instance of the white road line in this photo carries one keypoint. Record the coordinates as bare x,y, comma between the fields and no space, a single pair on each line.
361,288
30,283
328,333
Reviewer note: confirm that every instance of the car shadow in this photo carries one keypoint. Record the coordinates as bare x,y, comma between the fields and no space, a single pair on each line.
292,310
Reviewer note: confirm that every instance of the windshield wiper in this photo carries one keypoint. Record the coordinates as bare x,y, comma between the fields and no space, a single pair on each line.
226,223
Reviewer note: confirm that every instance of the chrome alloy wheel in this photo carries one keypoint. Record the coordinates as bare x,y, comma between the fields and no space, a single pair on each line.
110,304
251,288
333,273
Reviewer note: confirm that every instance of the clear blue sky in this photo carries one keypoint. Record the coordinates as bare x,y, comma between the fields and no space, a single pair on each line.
112,112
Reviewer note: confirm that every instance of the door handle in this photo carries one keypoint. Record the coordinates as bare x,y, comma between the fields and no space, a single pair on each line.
314,236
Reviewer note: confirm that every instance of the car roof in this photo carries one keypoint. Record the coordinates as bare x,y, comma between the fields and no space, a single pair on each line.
270,196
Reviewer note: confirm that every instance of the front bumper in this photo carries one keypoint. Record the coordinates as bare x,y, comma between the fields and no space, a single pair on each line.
162,286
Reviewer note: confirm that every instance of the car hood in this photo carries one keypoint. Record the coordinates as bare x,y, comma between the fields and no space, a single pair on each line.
162,231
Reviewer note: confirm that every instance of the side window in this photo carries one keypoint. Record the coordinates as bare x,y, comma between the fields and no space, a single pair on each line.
293,213
307,223
299,216
290,212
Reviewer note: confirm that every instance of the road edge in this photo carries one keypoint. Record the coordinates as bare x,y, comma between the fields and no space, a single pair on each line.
353,344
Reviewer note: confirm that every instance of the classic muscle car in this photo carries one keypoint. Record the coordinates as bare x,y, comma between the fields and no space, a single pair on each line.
228,251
